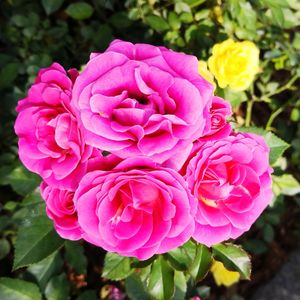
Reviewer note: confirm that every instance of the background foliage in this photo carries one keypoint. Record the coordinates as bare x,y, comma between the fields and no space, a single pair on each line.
34,261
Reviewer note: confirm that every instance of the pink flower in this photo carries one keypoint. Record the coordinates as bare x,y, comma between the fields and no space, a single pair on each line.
60,208
218,127
136,209
232,180
143,100
50,141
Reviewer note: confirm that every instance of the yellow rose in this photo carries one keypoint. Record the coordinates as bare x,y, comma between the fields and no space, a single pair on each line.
204,72
222,275
234,64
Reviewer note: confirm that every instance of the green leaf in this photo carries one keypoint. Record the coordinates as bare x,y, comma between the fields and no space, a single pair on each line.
80,10
180,286
46,268
280,3
285,184
16,289
201,264
194,3
22,181
234,258
277,15
4,248
182,257
8,74
157,23
174,20
268,233
51,6
36,240
58,288
116,267
161,280
235,98
75,256
276,144
135,288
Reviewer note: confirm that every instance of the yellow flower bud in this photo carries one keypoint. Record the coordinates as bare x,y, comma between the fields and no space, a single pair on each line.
234,64
222,276
204,72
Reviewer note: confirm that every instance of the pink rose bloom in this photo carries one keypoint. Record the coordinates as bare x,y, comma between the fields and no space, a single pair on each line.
136,209
60,208
50,141
218,128
231,178
138,99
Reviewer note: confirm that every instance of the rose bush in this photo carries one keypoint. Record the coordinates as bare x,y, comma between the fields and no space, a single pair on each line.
50,142
138,100
136,209
231,178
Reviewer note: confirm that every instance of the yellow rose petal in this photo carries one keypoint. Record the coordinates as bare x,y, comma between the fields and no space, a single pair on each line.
234,64
222,276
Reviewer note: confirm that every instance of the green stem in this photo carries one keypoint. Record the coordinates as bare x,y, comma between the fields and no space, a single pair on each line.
249,113
273,116
283,88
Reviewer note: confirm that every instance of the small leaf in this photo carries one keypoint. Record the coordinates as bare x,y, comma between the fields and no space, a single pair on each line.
80,10
201,264
180,286
75,256
4,248
286,184
235,98
116,267
16,289
277,15
194,3
51,6
234,258
46,268
277,146
8,74
182,257
36,240
22,181
58,288
157,23
135,288
161,280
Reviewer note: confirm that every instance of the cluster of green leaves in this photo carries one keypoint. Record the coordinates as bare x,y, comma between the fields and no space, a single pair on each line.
174,275
36,33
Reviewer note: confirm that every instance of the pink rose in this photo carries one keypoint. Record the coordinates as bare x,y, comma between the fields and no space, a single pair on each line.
136,209
142,100
50,141
60,208
218,128
232,180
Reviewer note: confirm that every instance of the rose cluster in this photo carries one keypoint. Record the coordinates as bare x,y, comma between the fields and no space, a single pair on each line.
137,155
